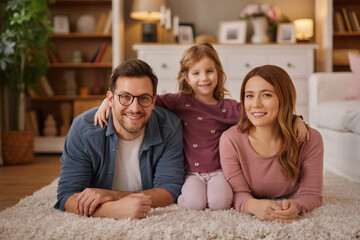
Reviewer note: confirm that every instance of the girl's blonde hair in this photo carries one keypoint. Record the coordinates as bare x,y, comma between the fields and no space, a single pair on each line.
285,90
192,56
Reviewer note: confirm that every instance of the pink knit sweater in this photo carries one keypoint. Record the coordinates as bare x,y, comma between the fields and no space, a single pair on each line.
253,176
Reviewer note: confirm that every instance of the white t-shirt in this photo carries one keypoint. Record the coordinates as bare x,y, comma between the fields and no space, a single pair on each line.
127,175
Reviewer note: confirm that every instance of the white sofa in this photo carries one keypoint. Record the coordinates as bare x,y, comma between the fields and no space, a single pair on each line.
338,121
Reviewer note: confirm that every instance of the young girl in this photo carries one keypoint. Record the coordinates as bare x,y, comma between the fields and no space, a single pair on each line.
206,115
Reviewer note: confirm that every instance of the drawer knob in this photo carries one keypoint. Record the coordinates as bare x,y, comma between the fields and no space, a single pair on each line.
289,65
163,65
247,65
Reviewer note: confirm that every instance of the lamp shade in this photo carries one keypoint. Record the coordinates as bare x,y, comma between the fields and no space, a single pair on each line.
148,10
303,29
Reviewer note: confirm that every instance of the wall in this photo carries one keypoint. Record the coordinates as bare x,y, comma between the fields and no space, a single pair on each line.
206,14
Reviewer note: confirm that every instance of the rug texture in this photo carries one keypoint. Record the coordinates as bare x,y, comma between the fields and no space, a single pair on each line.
35,218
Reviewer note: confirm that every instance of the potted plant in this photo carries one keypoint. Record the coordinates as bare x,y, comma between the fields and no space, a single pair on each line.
23,60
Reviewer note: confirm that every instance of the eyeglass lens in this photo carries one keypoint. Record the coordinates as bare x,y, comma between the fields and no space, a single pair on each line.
127,99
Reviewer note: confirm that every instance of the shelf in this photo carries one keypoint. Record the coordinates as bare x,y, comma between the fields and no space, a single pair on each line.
346,34
49,144
66,98
83,1
81,35
80,65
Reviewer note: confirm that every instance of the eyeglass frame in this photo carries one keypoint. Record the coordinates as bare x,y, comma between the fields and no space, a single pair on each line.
133,97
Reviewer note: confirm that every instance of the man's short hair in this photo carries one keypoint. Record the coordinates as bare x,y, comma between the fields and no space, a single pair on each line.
133,68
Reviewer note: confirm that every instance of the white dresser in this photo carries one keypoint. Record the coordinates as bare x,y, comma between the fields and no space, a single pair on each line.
237,60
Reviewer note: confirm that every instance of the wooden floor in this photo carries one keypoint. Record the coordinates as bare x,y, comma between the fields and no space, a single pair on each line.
19,181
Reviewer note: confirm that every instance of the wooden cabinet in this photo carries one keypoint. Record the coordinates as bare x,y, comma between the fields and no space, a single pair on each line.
90,77
333,44
237,60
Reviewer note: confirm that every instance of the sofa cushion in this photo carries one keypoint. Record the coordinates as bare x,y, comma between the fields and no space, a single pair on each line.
331,114
352,120
353,91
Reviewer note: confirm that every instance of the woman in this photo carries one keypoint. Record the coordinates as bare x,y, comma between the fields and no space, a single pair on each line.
261,157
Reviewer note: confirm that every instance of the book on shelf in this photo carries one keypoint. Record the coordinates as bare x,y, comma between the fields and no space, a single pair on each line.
46,86
108,23
346,20
101,23
101,52
107,57
96,53
355,21
339,22
54,57
31,121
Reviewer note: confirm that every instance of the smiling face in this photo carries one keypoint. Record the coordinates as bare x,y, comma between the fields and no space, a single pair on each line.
261,102
129,121
202,77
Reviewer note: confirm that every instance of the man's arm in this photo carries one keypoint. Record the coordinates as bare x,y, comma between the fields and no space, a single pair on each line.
169,170
132,206
86,202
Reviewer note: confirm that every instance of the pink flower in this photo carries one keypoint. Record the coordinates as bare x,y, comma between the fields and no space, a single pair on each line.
272,14
251,9
259,10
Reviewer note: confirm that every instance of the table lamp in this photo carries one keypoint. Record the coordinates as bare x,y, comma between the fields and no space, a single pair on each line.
303,29
149,12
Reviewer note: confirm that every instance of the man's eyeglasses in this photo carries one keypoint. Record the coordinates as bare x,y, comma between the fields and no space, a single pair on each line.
126,99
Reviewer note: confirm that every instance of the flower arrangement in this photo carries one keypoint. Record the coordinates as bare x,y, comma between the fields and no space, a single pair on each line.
272,13
261,10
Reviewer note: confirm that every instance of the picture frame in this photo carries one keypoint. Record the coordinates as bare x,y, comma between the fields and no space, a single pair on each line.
186,33
61,23
232,32
285,33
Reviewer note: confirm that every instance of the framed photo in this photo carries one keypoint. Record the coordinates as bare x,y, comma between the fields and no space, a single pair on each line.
286,33
61,23
186,33
232,32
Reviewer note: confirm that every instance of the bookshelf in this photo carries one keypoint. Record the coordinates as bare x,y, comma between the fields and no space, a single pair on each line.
347,39
334,43
87,76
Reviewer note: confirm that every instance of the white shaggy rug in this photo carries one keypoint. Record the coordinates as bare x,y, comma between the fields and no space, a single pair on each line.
34,218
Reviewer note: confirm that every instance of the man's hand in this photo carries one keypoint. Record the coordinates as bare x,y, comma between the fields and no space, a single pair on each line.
88,200
288,213
263,209
133,206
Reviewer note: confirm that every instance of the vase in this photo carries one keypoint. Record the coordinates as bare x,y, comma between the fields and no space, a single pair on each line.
260,25
86,23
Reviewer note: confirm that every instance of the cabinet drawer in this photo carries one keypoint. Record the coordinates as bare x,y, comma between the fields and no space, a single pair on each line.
237,66
301,86
165,65
234,85
166,85
296,65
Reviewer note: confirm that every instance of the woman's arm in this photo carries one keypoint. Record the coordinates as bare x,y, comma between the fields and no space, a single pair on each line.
229,150
311,173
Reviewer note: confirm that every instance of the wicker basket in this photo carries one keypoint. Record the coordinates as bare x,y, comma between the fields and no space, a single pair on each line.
17,146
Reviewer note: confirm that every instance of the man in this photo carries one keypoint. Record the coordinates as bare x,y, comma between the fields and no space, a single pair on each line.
134,163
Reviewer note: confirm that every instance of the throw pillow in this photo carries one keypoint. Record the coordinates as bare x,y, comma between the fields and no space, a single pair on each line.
354,86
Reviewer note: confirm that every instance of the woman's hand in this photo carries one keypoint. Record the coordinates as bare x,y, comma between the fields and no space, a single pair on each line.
288,213
90,198
102,113
301,132
262,208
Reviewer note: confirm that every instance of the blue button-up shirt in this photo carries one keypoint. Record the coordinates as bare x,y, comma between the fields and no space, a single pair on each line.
88,160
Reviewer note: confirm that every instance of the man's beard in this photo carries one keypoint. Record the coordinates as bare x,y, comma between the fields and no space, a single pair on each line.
131,130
